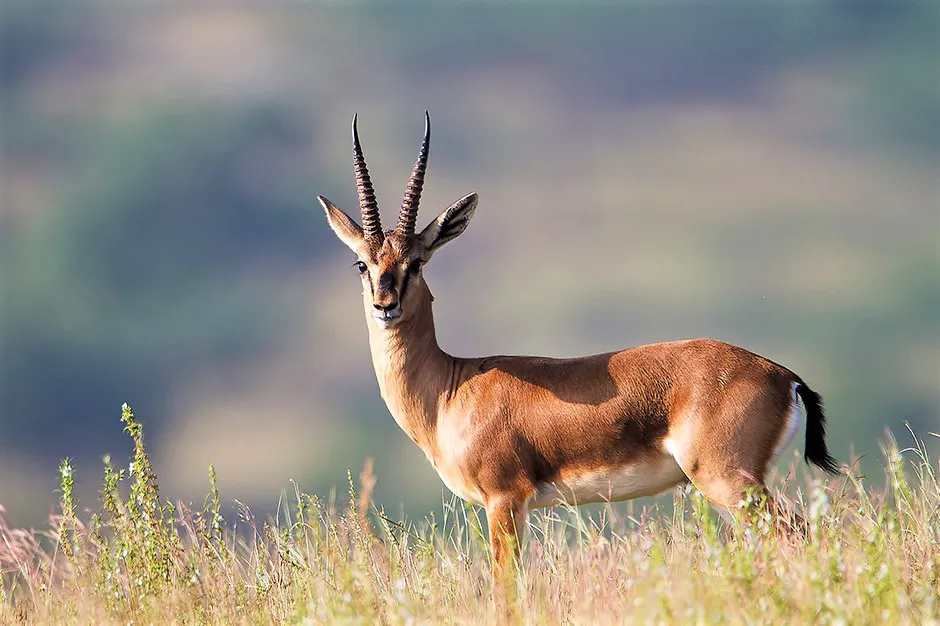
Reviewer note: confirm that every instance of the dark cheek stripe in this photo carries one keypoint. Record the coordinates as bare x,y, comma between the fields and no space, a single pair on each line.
404,286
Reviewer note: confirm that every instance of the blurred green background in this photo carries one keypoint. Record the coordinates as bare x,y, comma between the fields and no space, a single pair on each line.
764,174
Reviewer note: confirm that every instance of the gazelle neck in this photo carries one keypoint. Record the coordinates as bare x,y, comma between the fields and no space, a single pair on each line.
412,370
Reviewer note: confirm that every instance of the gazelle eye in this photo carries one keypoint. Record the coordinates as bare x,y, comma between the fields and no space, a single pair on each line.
414,266
362,267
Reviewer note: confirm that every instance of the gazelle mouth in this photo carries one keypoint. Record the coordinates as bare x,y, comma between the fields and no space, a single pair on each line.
386,319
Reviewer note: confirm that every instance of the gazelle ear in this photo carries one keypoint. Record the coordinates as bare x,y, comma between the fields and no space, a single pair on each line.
448,225
344,226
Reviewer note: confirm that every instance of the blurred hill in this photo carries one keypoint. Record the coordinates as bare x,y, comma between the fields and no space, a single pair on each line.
765,175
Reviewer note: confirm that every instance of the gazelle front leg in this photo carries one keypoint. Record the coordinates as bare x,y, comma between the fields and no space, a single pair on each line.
506,518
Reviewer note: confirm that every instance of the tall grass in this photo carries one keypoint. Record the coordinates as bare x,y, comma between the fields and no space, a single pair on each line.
870,554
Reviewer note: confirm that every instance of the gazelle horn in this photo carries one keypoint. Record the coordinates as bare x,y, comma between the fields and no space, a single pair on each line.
371,222
409,205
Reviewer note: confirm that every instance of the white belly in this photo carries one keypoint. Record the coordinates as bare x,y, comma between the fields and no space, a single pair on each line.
645,477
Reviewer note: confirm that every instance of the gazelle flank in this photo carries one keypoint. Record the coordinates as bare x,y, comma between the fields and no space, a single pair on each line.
516,432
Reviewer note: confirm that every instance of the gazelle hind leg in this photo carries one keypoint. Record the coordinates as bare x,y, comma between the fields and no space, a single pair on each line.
730,472
740,495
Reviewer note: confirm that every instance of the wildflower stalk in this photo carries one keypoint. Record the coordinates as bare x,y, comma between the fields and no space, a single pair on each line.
69,520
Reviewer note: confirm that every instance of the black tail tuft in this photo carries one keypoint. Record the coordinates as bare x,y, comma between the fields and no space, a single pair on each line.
815,451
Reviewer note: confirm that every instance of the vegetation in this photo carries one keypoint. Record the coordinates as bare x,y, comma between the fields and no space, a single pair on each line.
869,555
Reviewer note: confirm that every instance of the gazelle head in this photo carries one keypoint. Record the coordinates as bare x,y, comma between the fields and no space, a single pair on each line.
390,261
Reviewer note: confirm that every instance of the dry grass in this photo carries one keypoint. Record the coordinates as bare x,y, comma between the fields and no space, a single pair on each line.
871,555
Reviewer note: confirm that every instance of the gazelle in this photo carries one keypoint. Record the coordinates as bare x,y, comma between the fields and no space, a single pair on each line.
516,432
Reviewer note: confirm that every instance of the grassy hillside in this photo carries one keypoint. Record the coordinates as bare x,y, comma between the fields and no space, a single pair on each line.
870,556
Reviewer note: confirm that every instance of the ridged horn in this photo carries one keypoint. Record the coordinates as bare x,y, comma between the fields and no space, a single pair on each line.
371,222
409,204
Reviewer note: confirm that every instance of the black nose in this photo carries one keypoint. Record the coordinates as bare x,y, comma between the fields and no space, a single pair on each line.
391,306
